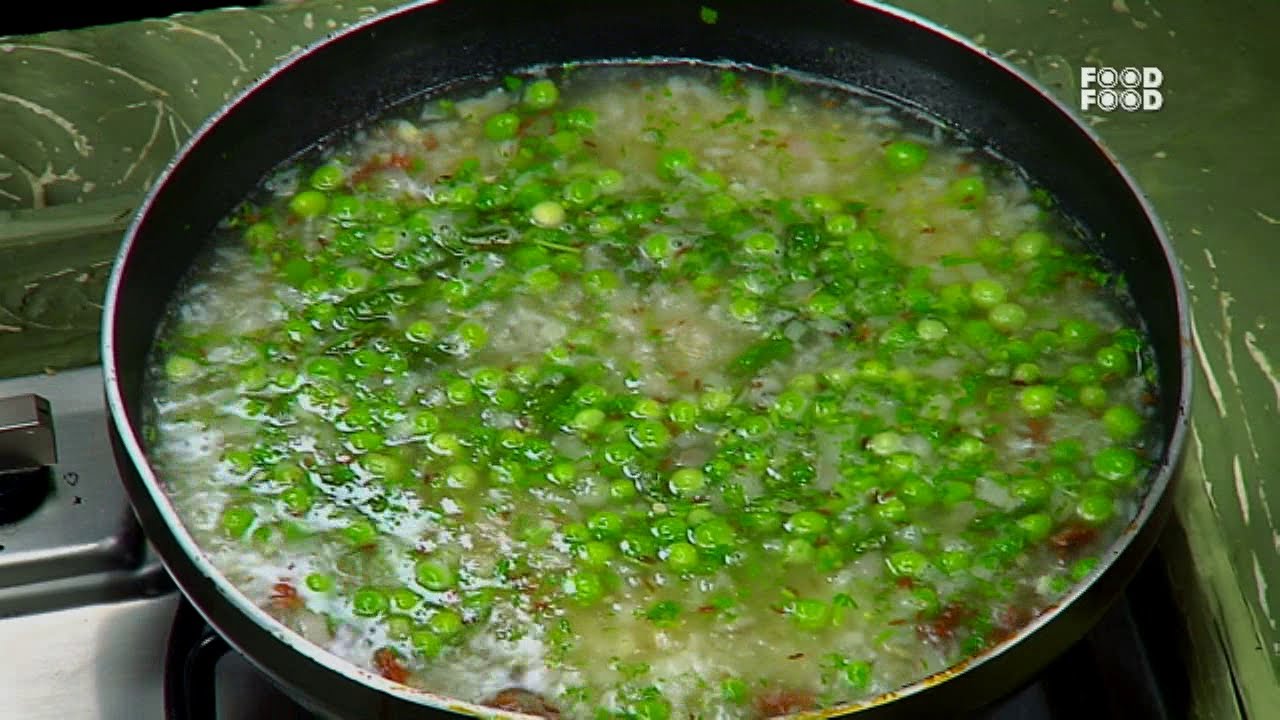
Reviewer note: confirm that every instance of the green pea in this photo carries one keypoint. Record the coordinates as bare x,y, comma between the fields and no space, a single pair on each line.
542,280
1082,567
1077,334
236,521
798,551
461,476
261,234
891,510
327,177
547,214
1007,317
360,532
657,247
1032,492
1115,463
1096,509
733,690
687,482
988,293
297,499
1093,397
967,192
597,554
502,126
1114,360
1037,400
917,492
579,193
885,443
445,623
605,524
1121,422
1036,526
639,547
807,523
858,675
650,435
366,441
1067,450
404,598
369,602
564,142
587,420
669,529
907,563
309,203
426,643
674,164
434,575
954,561
714,534
585,587
761,244
1030,245
541,94
931,330
905,156
319,582
473,334
653,708
809,614
681,556
683,413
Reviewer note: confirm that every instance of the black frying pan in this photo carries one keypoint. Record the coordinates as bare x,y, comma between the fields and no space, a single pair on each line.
424,47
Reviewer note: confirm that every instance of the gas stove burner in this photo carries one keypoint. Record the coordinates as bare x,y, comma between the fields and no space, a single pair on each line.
27,449
67,534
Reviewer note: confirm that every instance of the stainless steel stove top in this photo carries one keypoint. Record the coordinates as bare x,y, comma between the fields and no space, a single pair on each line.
85,606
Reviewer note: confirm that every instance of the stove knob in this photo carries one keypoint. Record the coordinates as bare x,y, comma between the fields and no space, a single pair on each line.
27,449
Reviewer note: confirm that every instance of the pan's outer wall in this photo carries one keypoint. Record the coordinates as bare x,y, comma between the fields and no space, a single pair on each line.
427,46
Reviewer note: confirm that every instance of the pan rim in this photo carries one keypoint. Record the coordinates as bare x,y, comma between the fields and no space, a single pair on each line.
1160,476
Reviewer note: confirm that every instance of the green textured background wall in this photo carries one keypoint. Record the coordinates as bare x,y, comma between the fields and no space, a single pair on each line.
88,118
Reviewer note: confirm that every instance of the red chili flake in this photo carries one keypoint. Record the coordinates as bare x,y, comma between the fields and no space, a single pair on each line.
523,701
964,167
1148,399
388,665
430,141
697,384
795,656
1009,620
905,582
928,230
1072,537
366,171
284,596
897,622
707,609
942,627
783,701
1038,429
864,333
